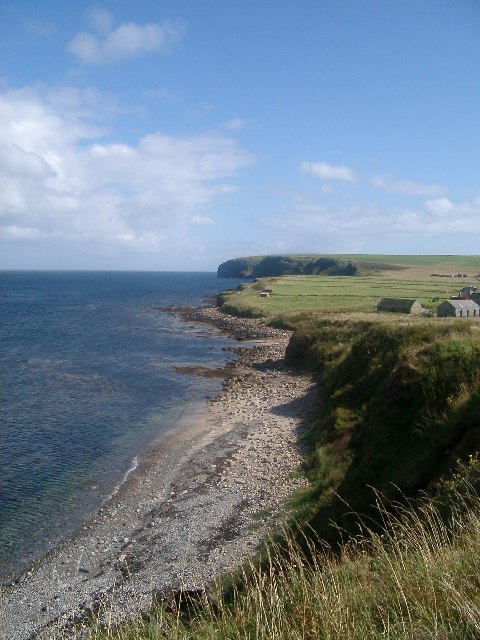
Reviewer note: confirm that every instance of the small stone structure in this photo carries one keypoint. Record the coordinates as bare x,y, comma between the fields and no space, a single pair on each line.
458,309
400,305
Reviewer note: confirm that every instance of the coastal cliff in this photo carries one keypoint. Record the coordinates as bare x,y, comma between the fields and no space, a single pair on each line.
390,405
283,265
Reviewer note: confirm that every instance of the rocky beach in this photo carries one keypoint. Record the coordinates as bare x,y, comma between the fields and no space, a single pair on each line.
199,503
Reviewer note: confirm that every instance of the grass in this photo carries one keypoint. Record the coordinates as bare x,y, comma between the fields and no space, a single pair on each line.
363,563
378,275
418,579
446,263
400,403
292,295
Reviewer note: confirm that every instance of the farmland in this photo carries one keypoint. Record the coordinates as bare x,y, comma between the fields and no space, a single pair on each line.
390,276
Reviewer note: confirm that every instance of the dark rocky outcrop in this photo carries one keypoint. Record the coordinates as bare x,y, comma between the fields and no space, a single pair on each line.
283,265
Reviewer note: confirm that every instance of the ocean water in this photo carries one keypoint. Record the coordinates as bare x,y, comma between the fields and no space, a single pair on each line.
86,384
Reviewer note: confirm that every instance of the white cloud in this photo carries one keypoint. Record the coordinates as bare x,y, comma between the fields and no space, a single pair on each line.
406,187
59,178
439,206
202,220
326,171
15,161
311,223
12,231
464,214
128,40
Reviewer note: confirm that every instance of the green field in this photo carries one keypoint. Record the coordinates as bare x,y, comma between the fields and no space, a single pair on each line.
294,294
389,276
445,262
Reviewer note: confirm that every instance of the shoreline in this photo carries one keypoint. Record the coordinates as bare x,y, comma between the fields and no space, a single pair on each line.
199,504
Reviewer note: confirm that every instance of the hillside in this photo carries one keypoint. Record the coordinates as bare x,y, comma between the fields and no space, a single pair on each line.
348,264
424,278
385,538
282,265
383,377
400,413
400,408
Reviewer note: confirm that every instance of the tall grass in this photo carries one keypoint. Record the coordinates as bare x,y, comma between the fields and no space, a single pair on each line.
401,410
400,405
418,578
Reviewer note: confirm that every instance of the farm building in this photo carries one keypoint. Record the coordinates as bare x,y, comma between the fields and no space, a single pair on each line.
466,293
458,309
400,305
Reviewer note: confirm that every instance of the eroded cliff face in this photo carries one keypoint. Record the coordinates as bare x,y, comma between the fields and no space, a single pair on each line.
283,265
236,268
399,408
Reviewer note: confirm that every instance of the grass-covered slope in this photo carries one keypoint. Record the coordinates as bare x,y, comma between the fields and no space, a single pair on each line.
400,406
389,542
417,579
295,297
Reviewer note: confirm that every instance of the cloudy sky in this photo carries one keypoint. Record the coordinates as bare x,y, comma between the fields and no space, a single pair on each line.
177,134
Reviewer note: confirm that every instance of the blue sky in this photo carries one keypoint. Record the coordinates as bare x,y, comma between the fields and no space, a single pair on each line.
178,134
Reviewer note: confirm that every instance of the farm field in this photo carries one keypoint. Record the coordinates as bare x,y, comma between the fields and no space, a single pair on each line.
430,262
389,276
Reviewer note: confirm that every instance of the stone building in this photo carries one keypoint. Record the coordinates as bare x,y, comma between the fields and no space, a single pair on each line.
400,305
458,309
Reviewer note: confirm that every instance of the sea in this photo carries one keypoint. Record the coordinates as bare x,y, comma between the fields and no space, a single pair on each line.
86,385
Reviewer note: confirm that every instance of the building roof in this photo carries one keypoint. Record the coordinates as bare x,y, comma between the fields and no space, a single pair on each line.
404,303
463,304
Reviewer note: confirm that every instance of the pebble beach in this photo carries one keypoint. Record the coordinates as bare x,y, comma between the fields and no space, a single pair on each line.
199,504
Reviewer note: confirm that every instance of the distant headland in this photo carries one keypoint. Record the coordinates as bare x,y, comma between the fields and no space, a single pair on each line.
285,265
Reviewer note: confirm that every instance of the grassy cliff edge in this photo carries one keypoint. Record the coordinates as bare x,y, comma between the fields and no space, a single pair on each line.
400,409
386,542
401,413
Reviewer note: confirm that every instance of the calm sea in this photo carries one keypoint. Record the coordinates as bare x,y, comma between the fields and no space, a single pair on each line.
86,383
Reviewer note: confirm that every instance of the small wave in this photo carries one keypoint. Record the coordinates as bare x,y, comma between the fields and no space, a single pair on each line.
130,469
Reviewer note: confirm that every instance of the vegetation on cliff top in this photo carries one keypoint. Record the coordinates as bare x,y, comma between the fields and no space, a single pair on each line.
400,407
282,265
386,542
400,412
295,297
345,264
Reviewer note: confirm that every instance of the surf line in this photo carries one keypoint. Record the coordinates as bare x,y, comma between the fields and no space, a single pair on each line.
130,469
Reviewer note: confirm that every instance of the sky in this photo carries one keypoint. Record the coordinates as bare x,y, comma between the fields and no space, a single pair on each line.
176,134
